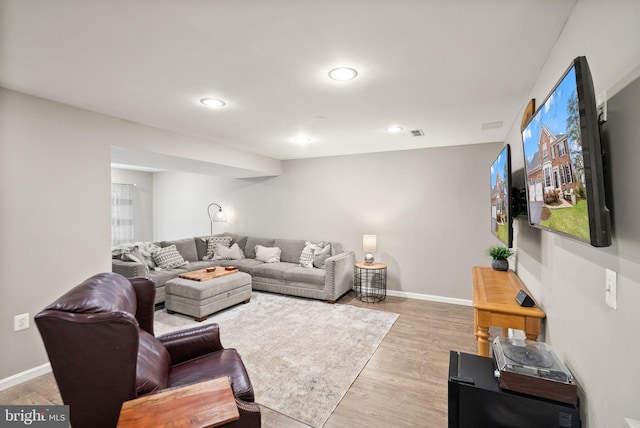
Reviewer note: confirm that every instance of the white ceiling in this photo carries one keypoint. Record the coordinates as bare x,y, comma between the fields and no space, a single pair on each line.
446,67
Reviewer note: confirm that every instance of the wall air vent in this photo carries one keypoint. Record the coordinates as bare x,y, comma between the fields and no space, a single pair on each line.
417,133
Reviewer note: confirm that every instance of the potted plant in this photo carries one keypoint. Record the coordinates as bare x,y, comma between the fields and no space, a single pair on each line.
500,255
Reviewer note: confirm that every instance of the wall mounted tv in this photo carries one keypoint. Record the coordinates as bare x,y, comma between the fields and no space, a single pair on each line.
563,161
501,215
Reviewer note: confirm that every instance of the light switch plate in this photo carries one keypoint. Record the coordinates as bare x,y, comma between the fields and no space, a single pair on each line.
610,289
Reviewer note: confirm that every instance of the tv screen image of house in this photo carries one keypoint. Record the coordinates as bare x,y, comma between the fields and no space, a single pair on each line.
501,197
563,162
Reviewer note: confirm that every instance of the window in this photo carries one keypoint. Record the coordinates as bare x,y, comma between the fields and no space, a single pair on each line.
547,177
569,176
562,176
544,150
562,148
121,214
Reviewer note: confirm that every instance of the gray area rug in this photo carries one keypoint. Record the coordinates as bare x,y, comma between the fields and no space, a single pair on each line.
302,355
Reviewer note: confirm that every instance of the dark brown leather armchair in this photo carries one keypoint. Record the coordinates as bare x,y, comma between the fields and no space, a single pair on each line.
99,339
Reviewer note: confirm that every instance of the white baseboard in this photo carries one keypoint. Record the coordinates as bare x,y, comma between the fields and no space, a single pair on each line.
432,298
24,376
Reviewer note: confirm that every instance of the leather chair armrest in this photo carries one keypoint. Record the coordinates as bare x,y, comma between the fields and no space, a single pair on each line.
145,295
185,345
249,415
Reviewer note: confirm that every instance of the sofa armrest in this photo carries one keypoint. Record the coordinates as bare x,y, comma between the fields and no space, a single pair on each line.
339,274
185,345
129,269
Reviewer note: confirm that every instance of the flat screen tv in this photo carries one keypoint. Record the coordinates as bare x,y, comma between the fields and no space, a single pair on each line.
563,161
501,215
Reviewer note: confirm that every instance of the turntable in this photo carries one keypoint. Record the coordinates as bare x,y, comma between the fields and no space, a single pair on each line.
532,368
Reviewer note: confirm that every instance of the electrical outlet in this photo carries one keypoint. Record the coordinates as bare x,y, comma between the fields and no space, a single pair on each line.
610,290
21,322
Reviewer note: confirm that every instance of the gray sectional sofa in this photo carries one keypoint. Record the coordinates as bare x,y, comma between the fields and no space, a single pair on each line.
284,277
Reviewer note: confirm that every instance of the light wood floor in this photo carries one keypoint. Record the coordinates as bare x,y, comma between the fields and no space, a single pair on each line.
403,385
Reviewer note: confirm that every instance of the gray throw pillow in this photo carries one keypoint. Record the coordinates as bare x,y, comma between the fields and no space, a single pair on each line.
168,258
321,255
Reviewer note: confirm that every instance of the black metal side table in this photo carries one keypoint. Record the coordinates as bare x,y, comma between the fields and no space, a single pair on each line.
370,282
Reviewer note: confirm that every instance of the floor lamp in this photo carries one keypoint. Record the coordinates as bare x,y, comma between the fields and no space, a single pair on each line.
217,216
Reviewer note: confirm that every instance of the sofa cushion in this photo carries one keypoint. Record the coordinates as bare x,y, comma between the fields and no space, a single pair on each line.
250,247
273,270
223,252
161,276
243,265
168,258
268,254
212,245
203,264
186,248
224,363
291,249
152,370
304,275
320,255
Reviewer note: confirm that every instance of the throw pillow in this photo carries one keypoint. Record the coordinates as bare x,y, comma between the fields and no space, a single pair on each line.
212,241
268,254
306,257
228,253
321,255
168,258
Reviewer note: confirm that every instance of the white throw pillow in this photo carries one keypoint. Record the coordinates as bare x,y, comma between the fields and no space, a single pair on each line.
211,245
307,255
223,252
268,254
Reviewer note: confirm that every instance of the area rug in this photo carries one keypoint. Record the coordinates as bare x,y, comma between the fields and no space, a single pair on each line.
302,355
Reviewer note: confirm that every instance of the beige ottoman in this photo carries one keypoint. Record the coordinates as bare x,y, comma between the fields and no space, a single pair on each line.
200,299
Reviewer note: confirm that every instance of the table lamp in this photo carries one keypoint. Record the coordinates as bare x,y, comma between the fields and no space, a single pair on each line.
369,245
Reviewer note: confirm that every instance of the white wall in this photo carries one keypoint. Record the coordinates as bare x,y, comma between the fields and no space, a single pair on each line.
430,209
600,345
55,197
142,200
55,228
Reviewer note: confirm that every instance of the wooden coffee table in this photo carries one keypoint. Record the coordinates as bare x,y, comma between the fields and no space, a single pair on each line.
204,404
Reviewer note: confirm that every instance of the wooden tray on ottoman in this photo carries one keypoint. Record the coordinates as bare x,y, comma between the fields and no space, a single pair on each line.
207,274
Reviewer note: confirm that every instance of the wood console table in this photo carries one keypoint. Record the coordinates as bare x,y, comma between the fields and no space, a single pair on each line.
200,405
494,304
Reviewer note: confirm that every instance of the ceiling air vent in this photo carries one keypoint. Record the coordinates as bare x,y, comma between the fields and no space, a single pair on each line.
491,125
417,133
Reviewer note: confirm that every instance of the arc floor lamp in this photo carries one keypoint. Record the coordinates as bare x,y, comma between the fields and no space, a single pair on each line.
217,216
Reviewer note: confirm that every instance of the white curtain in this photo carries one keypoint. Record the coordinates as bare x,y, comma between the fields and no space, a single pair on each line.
121,214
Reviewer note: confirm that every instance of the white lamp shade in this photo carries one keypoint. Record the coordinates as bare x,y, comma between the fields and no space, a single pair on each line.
369,243
219,216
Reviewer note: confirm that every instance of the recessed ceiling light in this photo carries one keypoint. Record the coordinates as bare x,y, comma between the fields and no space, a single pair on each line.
343,73
394,129
302,139
213,102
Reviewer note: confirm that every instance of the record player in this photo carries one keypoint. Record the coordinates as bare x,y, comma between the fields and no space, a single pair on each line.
532,368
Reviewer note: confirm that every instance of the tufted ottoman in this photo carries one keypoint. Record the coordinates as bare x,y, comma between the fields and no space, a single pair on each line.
200,299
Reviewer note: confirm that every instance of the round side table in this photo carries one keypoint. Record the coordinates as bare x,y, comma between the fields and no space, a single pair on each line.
370,282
